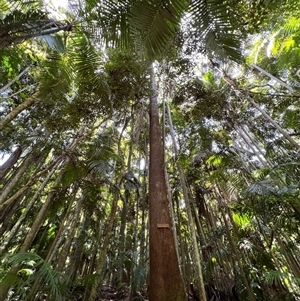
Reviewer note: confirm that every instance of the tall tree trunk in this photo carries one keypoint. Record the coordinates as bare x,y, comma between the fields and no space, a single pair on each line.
21,107
61,260
10,162
284,133
41,214
238,93
279,81
8,188
29,183
166,283
55,245
77,249
237,256
250,144
105,245
17,225
185,191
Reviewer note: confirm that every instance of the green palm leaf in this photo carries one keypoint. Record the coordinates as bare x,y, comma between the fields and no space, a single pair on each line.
151,25
33,266
110,20
214,25
155,23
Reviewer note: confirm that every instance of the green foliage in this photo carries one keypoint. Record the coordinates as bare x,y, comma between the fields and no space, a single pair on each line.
155,23
126,77
215,30
32,267
150,26
88,97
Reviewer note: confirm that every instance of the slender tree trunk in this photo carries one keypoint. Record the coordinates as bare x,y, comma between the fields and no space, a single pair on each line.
185,191
7,189
6,217
238,259
284,133
279,81
49,27
34,229
165,279
21,107
10,162
15,79
61,260
250,145
134,264
29,183
181,240
77,249
121,248
105,245
17,225
54,247
41,215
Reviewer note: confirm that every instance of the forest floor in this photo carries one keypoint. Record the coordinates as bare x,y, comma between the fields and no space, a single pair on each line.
112,294
109,293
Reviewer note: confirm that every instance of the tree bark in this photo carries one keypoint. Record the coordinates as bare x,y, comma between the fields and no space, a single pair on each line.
17,225
105,245
166,283
8,188
10,162
196,246
279,81
14,113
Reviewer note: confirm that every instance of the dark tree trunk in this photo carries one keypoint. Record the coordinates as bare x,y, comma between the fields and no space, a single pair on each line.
10,162
165,279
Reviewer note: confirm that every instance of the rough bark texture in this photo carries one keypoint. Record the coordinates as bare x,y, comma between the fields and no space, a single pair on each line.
165,279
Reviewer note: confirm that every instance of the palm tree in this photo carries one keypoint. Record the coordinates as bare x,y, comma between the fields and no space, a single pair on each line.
225,147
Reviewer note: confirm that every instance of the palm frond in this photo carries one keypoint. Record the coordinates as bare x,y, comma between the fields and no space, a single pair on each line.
56,75
24,5
264,187
33,267
110,19
86,61
155,23
54,41
215,29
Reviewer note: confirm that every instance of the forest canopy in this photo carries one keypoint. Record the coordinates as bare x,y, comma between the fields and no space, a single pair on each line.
149,150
